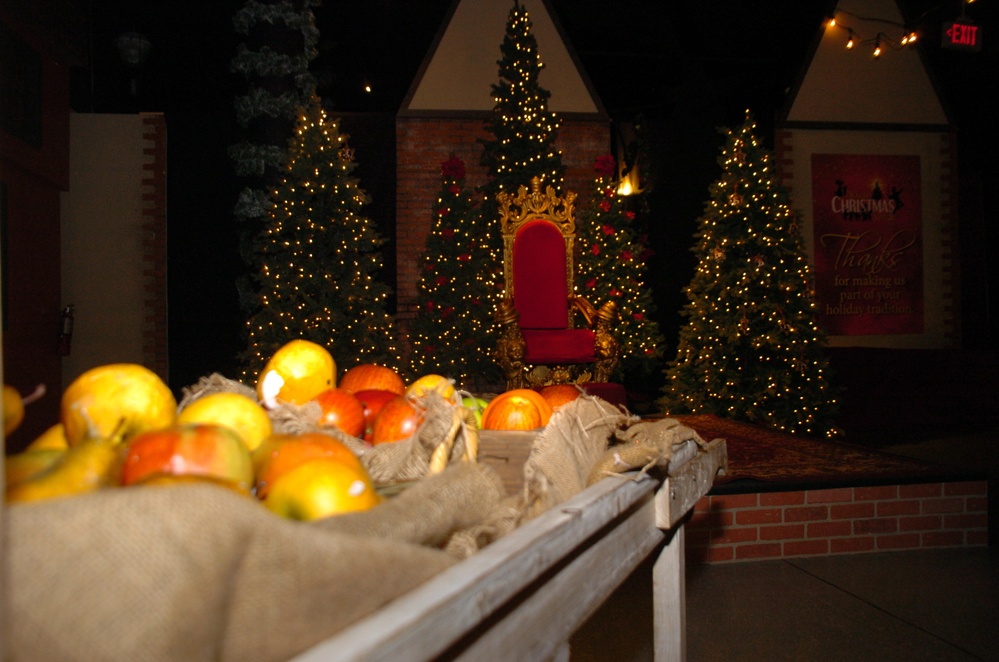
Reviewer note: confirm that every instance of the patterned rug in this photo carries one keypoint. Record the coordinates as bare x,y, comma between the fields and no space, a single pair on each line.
764,460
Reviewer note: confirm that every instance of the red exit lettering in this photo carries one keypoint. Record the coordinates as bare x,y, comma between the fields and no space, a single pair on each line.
961,35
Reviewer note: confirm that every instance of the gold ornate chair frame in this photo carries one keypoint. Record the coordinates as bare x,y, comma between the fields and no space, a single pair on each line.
549,349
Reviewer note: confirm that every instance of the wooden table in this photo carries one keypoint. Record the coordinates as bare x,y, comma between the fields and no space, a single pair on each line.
523,596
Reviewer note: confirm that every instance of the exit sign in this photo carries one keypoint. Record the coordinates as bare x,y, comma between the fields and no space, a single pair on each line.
961,36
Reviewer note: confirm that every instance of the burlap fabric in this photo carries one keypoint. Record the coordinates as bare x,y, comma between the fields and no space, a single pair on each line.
560,462
198,572
642,446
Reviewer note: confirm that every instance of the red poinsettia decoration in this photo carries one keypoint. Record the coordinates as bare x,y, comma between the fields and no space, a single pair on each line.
447,233
591,283
626,255
595,249
608,230
453,168
605,165
605,206
454,189
441,280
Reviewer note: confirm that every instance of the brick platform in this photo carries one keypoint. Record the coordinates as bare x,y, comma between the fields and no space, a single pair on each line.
844,520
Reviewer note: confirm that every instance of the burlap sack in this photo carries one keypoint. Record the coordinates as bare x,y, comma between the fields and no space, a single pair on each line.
560,462
198,572
644,445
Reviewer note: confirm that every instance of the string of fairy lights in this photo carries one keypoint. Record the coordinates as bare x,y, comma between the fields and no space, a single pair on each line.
876,34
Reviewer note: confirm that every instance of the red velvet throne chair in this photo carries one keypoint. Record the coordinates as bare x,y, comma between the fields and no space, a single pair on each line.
539,341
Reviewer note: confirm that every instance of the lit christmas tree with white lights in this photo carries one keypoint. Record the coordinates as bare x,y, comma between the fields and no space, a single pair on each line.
523,129
611,267
453,332
321,257
751,349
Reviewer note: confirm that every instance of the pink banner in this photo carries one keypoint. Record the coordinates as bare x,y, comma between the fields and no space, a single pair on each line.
868,244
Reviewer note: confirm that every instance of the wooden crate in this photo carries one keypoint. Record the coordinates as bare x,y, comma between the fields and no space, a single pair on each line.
506,452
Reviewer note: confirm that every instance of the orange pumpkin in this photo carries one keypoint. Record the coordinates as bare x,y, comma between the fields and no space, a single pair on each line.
368,376
559,394
517,409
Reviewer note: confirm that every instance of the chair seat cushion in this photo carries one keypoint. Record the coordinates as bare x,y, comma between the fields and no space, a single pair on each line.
558,346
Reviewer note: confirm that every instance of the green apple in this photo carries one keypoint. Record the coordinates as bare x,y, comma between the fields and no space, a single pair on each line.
477,405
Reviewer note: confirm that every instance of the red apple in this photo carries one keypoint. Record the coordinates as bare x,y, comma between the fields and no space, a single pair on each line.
342,410
198,450
368,376
397,420
372,401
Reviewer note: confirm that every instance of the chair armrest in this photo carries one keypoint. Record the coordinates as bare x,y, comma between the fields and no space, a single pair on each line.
586,308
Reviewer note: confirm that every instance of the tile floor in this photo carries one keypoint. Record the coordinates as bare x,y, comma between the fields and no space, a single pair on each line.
939,605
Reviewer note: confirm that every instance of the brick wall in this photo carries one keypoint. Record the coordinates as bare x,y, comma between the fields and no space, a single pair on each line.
423,143
847,520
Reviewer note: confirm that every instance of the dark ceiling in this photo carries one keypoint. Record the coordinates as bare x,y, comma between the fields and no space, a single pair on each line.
642,55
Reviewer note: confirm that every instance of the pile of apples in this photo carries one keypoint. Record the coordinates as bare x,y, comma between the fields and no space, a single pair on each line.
120,426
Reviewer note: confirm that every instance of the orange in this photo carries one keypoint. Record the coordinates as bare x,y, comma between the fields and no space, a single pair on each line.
283,452
321,488
296,373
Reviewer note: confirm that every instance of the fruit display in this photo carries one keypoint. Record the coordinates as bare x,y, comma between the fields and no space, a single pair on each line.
294,441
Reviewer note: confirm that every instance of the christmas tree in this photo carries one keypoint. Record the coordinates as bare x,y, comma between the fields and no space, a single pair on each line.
751,348
320,257
611,267
278,41
523,129
453,333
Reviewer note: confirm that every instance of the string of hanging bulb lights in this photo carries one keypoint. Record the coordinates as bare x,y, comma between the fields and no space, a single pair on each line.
895,35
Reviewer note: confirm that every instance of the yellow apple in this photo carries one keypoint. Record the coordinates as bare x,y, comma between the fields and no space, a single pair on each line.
116,400
429,384
296,373
243,414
